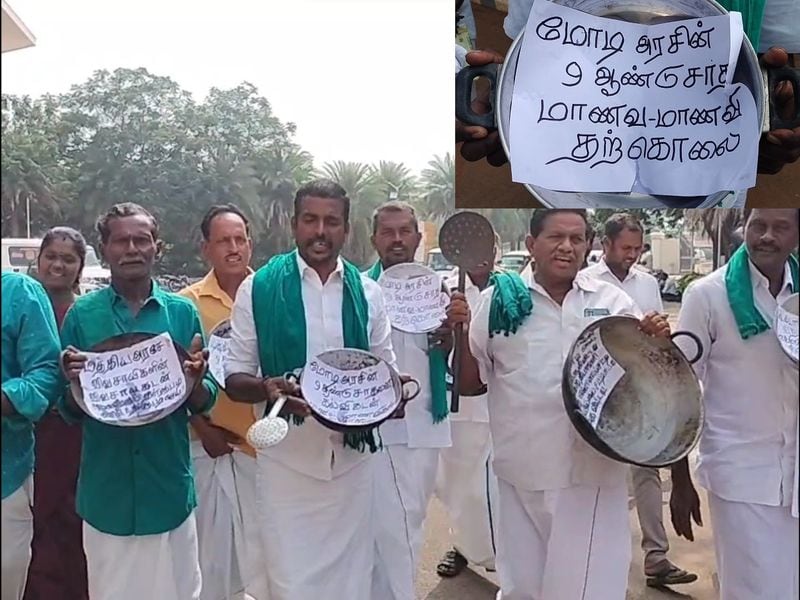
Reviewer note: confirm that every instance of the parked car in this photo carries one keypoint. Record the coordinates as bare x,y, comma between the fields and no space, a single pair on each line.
515,260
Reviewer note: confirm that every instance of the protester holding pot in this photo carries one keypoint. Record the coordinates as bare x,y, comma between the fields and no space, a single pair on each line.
224,463
622,246
315,487
406,470
747,455
136,491
563,506
779,44
30,383
466,482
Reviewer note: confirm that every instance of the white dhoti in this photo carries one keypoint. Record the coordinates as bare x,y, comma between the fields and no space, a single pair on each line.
219,524
467,486
17,533
318,535
756,548
249,546
567,544
404,482
135,567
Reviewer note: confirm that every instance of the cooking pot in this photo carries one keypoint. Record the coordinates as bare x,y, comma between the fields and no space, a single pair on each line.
653,414
648,12
126,340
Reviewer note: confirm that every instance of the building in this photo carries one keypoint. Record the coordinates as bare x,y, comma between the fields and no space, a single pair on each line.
14,32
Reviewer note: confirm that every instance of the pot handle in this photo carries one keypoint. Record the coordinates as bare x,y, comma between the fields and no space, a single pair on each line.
774,77
417,389
464,112
697,342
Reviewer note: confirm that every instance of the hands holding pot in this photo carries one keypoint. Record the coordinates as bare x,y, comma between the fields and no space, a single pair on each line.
779,147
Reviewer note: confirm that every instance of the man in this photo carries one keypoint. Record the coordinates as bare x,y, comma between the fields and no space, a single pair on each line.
30,384
224,462
466,483
622,246
563,530
136,492
748,448
315,488
406,468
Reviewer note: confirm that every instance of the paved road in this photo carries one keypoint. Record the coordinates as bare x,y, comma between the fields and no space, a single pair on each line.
470,585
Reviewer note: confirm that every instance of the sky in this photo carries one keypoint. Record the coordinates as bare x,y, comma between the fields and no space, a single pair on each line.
363,80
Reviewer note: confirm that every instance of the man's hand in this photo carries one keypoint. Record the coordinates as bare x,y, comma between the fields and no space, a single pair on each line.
72,363
779,147
197,364
479,142
684,503
441,339
655,324
275,387
400,412
216,441
458,310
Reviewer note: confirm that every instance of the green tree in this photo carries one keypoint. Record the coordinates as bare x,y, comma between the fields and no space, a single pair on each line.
438,184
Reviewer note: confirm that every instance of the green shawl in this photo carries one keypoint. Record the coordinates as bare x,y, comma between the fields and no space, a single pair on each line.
511,304
437,366
280,323
740,293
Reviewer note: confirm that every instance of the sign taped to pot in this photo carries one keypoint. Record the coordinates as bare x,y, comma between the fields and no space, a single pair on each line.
611,106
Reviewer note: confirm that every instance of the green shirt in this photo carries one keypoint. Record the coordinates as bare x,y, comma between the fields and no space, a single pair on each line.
30,373
134,480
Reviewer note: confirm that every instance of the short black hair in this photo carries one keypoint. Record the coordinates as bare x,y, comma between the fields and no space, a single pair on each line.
394,206
322,188
221,209
540,215
119,211
620,222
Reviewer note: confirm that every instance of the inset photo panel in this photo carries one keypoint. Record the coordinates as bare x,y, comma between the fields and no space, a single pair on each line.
678,104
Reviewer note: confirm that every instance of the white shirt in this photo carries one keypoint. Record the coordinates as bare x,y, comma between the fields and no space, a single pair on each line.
310,448
747,449
470,408
535,445
639,285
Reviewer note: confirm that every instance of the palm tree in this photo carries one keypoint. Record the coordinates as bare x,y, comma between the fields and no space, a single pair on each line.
718,224
439,188
363,188
396,181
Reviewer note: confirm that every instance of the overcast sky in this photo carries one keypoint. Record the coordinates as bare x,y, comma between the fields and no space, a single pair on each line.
364,80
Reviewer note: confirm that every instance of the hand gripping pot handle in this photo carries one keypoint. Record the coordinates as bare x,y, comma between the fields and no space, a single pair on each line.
413,395
697,342
464,79
774,77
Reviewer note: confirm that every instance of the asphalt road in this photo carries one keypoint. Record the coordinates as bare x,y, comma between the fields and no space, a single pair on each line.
697,556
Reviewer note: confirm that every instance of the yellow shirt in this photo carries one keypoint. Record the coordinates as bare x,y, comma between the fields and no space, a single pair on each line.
214,306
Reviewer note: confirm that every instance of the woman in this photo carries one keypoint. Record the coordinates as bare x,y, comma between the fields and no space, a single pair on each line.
58,566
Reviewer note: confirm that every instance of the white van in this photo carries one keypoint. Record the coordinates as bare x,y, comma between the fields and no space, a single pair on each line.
20,255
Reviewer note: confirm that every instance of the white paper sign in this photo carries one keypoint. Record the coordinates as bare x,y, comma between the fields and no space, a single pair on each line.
415,305
601,105
349,397
218,348
786,328
134,382
594,374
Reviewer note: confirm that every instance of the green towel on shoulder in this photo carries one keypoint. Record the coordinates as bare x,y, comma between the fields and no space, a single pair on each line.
511,304
740,293
280,324
437,366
